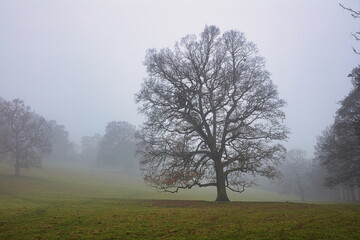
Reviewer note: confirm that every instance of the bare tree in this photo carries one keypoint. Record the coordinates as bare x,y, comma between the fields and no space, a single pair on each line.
356,15
24,135
213,115
295,173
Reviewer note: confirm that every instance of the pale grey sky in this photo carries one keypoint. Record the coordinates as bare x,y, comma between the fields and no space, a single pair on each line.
80,62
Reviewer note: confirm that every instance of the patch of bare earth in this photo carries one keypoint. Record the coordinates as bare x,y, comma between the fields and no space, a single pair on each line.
176,203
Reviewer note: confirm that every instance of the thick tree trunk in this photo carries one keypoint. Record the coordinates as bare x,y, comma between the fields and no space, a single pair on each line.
301,191
221,193
220,187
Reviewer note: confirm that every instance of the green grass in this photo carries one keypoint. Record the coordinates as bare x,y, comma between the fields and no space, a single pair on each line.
69,182
64,203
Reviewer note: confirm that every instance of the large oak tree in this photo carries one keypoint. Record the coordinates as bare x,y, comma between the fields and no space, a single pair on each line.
213,115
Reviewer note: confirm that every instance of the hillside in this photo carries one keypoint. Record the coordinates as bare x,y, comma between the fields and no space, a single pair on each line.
76,181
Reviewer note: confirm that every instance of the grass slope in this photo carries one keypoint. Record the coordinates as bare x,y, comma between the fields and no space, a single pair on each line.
67,182
64,203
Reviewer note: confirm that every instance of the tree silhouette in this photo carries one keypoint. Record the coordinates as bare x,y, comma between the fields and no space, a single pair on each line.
213,115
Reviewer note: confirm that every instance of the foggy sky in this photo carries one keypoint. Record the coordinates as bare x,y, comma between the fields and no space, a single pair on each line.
80,62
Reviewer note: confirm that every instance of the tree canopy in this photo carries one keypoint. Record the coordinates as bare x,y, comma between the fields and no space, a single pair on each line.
295,171
338,149
90,148
24,135
62,149
117,147
213,115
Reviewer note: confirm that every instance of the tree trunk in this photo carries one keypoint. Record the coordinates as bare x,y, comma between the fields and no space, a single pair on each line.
352,193
348,197
344,194
337,194
220,185
301,191
17,167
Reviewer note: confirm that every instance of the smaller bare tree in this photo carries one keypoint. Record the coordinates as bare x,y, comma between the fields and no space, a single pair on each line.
295,173
24,135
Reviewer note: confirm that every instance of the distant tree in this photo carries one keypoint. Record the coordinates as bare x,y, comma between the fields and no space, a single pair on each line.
90,148
295,172
213,114
62,148
24,135
355,14
315,182
338,149
117,148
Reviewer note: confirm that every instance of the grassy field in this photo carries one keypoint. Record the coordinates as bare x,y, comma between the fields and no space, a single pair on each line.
65,203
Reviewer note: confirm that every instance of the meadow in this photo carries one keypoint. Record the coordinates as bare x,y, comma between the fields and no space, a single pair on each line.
72,203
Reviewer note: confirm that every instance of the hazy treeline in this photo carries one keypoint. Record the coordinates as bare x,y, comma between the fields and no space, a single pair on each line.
305,178
115,149
27,139
334,172
338,148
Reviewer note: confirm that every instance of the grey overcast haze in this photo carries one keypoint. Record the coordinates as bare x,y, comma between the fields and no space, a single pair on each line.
81,62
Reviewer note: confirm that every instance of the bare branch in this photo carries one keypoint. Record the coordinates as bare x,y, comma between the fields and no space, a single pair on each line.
211,110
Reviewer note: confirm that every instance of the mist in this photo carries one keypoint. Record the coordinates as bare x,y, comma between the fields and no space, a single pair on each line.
179,119
81,63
